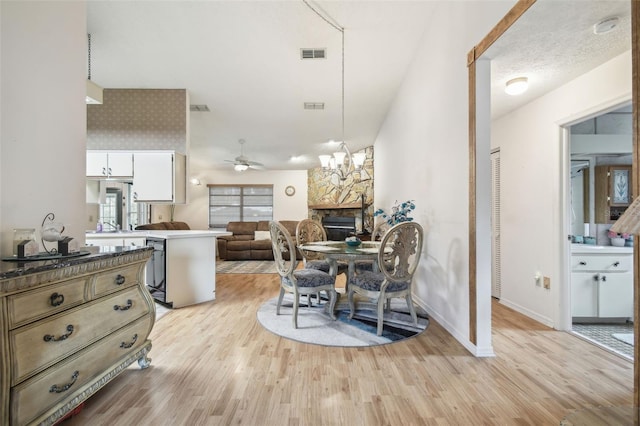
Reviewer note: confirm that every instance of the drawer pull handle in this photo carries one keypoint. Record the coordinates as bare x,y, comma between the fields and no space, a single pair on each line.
125,345
603,278
120,279
616,264
583,263
50,338
57,299
123,308
64,388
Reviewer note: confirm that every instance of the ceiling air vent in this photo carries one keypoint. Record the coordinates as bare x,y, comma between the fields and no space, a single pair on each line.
313,53
314,105
200,108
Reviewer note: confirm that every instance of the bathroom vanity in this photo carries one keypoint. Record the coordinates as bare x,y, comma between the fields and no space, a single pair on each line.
601,281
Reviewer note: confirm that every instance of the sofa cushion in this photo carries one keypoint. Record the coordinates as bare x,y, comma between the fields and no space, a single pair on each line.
239,245
261,245
242,228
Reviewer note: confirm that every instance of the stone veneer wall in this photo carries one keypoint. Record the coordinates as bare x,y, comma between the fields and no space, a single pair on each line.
328,191
139,119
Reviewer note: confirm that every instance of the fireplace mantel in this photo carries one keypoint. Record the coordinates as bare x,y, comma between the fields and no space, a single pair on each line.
336,206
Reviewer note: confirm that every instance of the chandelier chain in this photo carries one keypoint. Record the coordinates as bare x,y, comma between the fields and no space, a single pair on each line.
89,57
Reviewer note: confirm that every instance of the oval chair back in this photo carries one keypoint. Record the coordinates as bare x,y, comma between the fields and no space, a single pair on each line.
400,251
284,253
308,231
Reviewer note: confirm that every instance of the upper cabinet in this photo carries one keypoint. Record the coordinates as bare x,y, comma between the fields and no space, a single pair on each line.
109,164
159,177
612,192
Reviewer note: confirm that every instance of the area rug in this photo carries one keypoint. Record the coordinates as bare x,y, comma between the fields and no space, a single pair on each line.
315,326
624,337
245,267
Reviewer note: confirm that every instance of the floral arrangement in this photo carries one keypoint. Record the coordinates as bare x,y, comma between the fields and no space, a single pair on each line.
399,213
612,234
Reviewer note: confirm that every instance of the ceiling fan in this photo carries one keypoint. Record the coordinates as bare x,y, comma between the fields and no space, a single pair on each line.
242,163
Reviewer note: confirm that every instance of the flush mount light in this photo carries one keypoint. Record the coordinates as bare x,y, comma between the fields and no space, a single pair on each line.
606,25
517,86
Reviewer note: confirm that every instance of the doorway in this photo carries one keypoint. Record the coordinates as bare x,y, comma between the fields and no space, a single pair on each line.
601,274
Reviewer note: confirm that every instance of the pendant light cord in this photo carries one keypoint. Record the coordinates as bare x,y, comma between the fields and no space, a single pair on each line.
89,57
341,29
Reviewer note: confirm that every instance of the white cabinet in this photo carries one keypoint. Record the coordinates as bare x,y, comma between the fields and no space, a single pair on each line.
602,282
159,177
109,164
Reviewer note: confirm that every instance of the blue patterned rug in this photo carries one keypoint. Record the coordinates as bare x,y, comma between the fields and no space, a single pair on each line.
315,326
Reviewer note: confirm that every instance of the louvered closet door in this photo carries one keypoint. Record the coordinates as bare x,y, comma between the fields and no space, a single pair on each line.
495,225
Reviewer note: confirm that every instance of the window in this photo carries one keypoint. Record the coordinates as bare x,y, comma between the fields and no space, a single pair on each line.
239,203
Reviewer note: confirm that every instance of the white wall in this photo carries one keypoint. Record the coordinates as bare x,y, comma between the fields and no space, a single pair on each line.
533,194
42,139
196,212
422,154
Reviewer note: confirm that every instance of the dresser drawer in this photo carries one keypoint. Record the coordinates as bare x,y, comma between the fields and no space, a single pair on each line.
39,345
32,305
30,399
115,280
603,263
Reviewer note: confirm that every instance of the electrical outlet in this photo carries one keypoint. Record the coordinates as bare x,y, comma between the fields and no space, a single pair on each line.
160,217
547,283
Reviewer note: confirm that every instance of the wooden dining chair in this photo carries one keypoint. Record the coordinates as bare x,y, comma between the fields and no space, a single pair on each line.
309,231
400,251
298,282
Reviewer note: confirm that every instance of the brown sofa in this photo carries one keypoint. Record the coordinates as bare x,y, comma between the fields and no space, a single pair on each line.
242,245
164,226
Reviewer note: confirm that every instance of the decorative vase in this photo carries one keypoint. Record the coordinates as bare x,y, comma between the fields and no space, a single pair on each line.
617,242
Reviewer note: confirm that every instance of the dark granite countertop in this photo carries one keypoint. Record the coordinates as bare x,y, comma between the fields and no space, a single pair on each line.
12,269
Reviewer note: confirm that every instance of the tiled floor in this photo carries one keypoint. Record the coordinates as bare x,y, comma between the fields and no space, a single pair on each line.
602,334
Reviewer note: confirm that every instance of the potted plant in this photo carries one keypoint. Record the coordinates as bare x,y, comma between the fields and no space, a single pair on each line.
399,213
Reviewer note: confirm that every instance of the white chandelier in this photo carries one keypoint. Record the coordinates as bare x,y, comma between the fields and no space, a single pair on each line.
343,163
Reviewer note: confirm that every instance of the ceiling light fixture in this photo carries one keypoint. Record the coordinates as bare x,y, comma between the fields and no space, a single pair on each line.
342,163
94,92
606,25
240,167
517,86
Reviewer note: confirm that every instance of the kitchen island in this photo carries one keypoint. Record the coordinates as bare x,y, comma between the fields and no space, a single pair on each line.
182,270
68,326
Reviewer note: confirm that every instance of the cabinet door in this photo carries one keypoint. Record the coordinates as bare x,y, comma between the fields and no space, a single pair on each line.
615,296
120,164
97,164
153,176
584,294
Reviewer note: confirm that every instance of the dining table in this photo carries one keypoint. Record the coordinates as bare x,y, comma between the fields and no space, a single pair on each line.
335,251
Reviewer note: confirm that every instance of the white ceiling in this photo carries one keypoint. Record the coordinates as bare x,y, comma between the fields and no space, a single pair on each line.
553,43
242,59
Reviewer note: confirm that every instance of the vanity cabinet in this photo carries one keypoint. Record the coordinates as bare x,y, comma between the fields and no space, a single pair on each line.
612,192
109,164
602,282
159,177
68,330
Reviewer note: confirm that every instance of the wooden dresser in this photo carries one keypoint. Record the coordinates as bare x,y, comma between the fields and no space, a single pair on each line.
68,327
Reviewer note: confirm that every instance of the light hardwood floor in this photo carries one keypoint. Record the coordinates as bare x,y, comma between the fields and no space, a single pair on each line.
214,364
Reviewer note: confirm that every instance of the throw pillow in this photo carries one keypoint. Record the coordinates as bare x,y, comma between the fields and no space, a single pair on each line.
262,235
